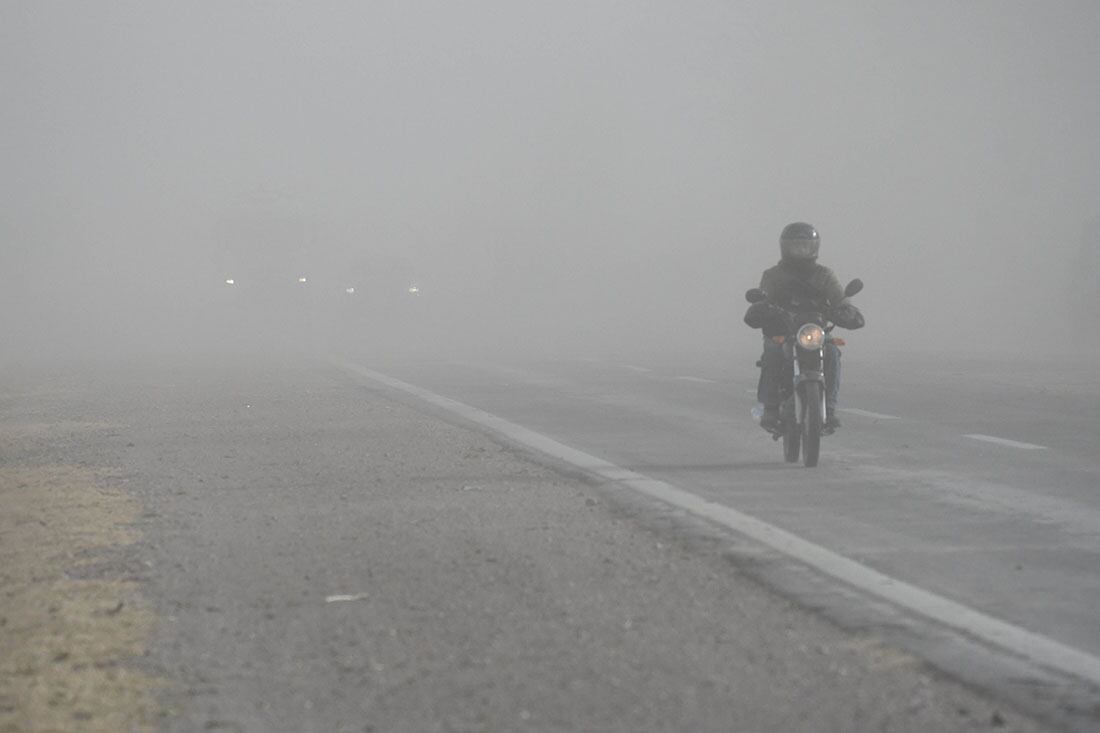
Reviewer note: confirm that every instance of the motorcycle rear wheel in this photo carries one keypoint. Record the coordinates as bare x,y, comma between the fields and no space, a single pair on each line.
811,424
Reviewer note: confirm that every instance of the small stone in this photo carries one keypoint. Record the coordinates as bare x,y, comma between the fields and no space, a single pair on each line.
996,720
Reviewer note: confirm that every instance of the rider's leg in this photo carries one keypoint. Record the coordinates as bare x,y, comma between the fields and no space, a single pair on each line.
832,383
771,375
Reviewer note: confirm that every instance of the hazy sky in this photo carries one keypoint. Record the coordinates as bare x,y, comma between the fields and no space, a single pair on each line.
626,163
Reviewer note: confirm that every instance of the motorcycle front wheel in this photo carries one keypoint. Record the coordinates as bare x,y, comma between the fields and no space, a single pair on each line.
811,423
792,436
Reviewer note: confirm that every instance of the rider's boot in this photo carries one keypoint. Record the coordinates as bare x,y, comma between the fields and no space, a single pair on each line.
832,422
769,419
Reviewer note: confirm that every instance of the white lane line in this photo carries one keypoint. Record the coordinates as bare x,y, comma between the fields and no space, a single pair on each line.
868,413
750,390
1036,647
639,369
700,380
1005,441
345,598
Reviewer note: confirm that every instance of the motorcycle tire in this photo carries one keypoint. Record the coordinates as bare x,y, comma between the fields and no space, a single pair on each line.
792,435
812,423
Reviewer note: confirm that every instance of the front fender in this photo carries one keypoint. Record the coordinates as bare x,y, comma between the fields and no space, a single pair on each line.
812,376
801,406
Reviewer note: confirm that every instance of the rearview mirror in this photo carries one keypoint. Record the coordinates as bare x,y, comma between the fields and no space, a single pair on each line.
755,295
853,287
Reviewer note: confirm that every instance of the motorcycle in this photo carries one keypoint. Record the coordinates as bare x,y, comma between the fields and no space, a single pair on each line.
807,327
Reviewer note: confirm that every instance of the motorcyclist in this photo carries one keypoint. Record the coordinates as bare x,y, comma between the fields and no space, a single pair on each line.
798,278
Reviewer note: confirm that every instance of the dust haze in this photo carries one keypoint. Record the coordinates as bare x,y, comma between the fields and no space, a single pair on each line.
568,177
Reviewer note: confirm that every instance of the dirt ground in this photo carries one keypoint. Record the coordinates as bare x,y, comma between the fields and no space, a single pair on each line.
68,633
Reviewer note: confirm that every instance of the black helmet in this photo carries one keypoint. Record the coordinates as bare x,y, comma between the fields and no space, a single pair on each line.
799,241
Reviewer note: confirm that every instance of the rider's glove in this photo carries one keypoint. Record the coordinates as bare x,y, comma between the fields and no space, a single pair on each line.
847,316
773,319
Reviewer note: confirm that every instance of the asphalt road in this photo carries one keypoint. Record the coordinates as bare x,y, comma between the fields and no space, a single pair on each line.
976,479
328,553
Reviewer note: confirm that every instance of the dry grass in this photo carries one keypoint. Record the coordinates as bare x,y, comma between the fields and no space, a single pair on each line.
65,644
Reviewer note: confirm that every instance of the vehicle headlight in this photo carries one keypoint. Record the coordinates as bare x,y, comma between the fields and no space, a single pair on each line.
811,336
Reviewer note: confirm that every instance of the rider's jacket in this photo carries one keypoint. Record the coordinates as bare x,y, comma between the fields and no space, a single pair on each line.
789,281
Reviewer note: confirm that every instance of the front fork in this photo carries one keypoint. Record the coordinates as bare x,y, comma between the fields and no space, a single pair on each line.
809,366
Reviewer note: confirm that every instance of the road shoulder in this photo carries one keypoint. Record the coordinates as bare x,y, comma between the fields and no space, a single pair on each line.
71,626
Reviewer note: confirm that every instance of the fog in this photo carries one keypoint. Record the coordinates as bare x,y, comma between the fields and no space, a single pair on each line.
559,177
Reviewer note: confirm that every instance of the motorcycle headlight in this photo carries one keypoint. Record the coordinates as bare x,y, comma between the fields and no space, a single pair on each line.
811,336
